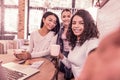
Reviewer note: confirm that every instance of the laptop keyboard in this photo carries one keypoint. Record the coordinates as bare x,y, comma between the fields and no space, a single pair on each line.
13,75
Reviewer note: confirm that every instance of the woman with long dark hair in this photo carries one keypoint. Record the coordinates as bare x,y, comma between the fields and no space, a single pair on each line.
40,39
83,38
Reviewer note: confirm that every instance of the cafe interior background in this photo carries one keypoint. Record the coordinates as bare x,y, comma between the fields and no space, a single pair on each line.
18,18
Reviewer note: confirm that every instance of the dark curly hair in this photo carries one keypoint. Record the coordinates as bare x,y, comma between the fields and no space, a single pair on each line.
90,28
57,27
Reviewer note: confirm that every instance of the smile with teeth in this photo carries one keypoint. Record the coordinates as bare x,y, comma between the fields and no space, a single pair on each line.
77,30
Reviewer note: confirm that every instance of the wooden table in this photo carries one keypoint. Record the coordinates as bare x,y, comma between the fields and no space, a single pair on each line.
47,69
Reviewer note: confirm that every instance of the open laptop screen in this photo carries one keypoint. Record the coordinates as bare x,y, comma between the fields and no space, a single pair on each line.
2,73
15,71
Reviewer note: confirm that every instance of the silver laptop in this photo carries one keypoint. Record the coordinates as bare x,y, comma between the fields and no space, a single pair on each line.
17,71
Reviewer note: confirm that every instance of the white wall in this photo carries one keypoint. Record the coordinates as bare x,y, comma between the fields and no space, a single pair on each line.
108,18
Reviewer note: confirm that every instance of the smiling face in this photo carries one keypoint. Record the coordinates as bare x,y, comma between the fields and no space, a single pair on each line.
50,22
66,15
77,26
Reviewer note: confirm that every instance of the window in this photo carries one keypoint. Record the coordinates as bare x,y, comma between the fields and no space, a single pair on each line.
36,8
35,19
10,20
11,2
8,17
83,4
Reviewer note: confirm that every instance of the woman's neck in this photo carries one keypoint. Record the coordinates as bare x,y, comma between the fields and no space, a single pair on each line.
78,38
43,31
65,26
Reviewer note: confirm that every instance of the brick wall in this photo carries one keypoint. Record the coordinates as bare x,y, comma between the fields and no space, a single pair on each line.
21,19
108,18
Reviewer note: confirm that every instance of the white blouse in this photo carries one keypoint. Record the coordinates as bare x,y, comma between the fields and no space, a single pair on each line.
39,45
78,55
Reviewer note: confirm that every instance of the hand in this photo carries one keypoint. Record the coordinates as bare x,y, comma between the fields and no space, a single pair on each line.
61,56
23,55
105,60
19,56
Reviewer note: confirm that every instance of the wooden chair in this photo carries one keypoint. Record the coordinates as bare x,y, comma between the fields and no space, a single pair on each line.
1,48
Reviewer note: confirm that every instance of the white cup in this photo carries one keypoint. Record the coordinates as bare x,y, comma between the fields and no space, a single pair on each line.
54,50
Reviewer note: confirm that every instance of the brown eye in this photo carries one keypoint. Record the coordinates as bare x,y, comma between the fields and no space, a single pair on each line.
81,22
64,16
49,19
55,22
68,16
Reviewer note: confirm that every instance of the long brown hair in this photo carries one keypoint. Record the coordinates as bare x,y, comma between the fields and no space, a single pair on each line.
90,28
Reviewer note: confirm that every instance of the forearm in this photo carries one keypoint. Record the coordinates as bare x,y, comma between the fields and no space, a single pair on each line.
65,61
23,56
39,54
27,55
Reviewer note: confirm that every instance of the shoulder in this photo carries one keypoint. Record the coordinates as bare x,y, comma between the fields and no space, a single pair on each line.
91,44
93,41
51,33
34,32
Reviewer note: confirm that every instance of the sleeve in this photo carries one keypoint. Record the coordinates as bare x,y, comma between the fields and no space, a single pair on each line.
40,53
66,62
88,68
54,39
44,52
31,45
92,44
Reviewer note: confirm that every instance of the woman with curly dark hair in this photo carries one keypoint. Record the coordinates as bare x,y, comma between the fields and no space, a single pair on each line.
83,37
